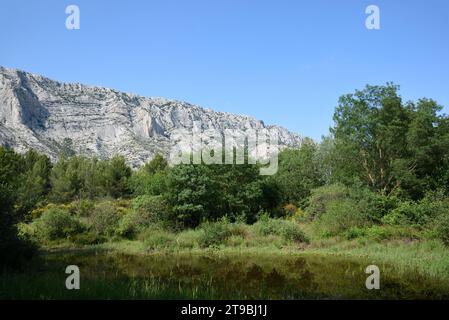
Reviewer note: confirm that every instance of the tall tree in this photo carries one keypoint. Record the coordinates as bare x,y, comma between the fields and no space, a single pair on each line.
385,143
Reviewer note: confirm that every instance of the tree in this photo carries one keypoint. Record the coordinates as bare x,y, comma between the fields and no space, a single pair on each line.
13,250
389,145
299,172
116,175
157,164
151,178
65,180
34,181
199,193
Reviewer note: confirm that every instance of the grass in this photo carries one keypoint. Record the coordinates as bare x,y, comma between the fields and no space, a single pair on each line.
429,258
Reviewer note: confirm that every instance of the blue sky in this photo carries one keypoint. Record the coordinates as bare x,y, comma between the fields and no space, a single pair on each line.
285,62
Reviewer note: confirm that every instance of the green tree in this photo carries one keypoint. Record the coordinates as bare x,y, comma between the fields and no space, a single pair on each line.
34,181
387,144
151,178
157,164
116,175
13,250
299,172
65,180
199,193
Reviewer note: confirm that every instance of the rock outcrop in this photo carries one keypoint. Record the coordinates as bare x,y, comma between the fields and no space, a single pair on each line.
46,115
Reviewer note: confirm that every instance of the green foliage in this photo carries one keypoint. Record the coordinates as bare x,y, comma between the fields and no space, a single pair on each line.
151,178
14,251
146,211
322,197
85,207
189,239
34,181
298,172
104,219
156,238
215,233
87,238
116,175
208,192
143,183
79,177
381,233
418,214
374,204
56,224
387,144
288,230
340,216
441,227
157,164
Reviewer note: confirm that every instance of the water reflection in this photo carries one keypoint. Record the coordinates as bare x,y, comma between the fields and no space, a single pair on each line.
254,276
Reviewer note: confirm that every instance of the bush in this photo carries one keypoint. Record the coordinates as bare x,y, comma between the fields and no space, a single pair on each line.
375,205
150,209
39,211
85,208
441,228
146,211
418,214
235,241
322,197
56,224
341,216
104,219
288,230
215,233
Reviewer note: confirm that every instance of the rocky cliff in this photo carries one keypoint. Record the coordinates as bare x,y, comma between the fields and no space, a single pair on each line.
49,116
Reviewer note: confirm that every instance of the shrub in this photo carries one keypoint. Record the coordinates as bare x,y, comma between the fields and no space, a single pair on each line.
288,230
85,208
56,224
322,197
355,232
259,241
149,209
215,233
290,209
441,228
341,216
39,211
104,219
417,214
375,205
146,211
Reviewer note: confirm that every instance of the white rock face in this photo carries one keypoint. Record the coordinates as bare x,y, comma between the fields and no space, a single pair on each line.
39,113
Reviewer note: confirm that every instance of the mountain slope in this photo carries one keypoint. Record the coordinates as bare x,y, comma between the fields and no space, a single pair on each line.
46,115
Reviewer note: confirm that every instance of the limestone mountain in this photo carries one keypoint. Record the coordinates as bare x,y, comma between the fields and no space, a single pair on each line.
50,116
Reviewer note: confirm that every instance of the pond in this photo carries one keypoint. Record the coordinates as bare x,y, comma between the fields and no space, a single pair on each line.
212,275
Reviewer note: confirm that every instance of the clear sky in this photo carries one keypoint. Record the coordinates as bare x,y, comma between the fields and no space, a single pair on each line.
285,62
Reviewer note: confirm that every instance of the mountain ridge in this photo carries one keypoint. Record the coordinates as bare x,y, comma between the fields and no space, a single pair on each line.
44,114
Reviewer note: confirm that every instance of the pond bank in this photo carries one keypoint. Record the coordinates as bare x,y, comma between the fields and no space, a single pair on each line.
125,270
